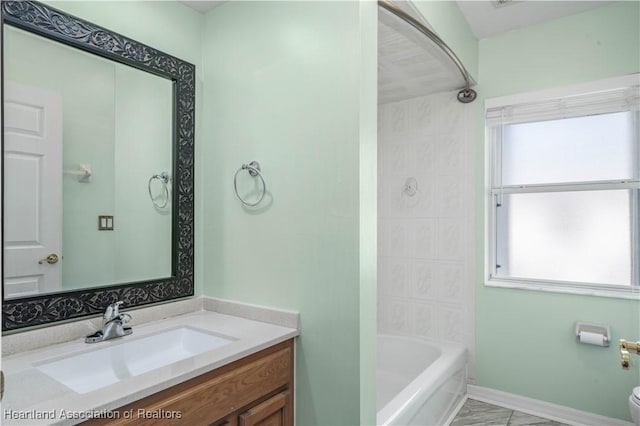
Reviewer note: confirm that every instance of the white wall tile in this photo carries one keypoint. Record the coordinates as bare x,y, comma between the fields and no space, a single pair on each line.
451,324
450,155
425,242
394,155
452,197
383,237
384,197
399,314
383,273
423,280
427,196
398,272
426,321
422,114
398,119
452,239
452,278
399,238
422,156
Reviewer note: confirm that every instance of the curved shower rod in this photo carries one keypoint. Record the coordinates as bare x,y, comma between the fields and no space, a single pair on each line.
465,95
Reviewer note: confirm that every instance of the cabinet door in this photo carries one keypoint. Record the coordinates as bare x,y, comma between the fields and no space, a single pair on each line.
275,411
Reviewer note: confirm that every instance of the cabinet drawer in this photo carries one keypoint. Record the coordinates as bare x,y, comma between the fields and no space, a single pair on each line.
275,411
214,395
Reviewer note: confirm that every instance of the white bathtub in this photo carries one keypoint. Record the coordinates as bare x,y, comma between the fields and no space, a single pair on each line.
419,382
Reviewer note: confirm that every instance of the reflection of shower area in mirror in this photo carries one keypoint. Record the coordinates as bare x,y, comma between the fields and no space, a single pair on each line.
113,130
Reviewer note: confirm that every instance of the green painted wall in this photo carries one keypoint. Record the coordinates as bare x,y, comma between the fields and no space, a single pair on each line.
524,339
368,168
284,86
142,148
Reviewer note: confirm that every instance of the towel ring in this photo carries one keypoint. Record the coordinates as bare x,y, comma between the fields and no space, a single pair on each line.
164,179
254,170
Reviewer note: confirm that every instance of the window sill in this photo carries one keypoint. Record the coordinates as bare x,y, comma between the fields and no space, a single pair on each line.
630,293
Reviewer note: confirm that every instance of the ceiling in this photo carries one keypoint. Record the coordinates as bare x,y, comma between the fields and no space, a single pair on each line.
488,18
202,6
409,65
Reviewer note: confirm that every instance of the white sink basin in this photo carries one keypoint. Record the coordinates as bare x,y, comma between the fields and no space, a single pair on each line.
96,369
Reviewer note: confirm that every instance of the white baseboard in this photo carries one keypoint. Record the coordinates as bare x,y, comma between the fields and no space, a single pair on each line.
540,408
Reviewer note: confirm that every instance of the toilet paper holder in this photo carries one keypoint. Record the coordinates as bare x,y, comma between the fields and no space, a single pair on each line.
593,334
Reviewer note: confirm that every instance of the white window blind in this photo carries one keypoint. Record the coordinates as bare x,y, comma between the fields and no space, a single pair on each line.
601,102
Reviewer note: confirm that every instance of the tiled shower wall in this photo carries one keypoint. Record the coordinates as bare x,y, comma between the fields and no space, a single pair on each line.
426,240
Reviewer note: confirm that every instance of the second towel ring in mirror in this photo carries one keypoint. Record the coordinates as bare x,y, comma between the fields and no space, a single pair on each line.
164,179
254,170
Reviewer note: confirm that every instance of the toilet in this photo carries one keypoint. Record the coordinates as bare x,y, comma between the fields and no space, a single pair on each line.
634,405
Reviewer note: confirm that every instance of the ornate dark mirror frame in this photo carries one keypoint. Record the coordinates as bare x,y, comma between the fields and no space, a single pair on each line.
59,26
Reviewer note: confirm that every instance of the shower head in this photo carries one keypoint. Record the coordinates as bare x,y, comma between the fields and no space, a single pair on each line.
467,95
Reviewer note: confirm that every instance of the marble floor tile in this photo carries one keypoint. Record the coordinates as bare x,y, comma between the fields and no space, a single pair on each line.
476,413
523,419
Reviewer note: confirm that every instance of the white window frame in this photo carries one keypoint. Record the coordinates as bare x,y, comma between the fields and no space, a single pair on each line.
491,170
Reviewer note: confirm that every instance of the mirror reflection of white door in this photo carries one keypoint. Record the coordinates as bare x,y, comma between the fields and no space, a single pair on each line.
32,190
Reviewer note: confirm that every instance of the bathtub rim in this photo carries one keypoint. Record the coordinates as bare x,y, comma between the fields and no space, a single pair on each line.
453,358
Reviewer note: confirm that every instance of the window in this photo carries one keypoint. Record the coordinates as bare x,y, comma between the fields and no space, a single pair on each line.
563,198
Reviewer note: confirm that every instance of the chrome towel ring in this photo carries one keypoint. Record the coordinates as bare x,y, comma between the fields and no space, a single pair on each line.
254,170
164,179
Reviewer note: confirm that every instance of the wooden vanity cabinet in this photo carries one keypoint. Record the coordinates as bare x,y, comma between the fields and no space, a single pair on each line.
275,411
253,391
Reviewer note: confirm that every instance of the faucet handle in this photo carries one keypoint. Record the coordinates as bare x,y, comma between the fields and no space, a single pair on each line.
112,311
116,307
125,318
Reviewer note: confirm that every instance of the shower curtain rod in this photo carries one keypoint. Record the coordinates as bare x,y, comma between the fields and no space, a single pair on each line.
465,95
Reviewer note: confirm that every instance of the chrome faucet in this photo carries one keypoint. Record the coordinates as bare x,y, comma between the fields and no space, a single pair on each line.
112,325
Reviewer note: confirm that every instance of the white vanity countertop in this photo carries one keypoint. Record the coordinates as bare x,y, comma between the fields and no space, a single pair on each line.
32,394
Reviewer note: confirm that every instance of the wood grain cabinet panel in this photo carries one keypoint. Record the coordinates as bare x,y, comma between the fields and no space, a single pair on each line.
272,412
256,390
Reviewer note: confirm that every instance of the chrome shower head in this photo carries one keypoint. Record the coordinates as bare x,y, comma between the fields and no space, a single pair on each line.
467,95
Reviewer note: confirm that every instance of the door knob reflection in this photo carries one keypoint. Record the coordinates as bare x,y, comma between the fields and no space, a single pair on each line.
51,259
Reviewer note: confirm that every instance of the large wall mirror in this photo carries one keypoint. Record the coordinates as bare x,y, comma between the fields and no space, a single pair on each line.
97,169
